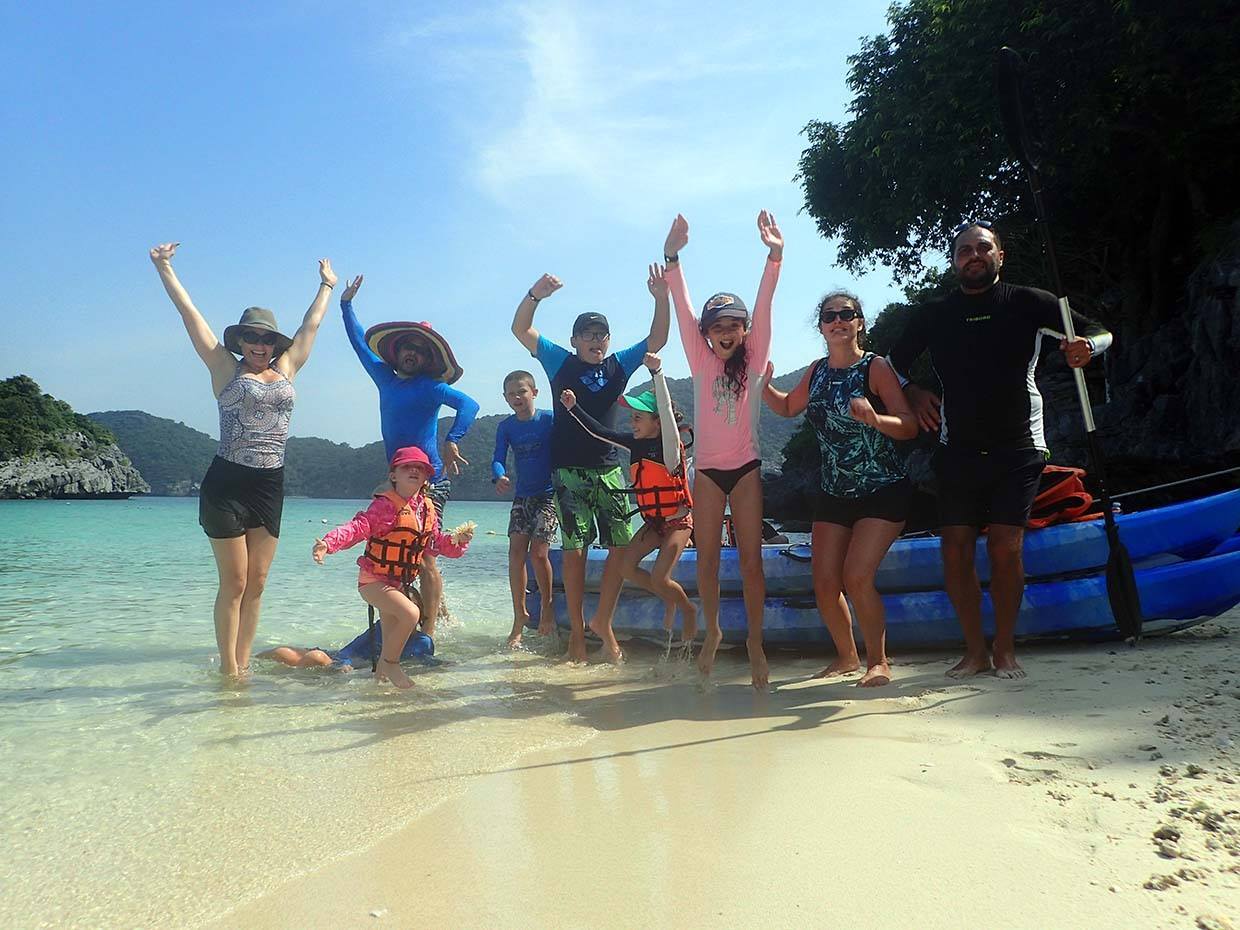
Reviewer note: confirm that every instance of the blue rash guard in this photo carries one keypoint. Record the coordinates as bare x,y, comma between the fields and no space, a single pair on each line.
409,407
530,441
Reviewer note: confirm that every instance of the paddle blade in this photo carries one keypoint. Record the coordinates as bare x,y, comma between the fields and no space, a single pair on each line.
1122,591
1016,108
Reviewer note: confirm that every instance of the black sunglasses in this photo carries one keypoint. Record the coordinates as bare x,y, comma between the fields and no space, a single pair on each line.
253,338
985,224
848,314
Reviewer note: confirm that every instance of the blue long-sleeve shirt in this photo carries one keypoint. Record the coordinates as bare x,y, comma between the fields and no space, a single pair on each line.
530,441
409,407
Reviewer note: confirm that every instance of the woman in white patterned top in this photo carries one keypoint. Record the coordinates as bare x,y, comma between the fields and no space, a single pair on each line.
242,494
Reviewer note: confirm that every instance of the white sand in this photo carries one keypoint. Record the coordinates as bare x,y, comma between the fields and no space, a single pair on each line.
927,804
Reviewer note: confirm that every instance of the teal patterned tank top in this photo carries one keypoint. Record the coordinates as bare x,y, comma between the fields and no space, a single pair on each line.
857,459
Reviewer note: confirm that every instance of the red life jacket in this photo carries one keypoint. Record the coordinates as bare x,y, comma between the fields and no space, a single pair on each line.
660,493
1061,498
397,554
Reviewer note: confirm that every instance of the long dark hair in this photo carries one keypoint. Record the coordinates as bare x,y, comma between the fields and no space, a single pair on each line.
736,370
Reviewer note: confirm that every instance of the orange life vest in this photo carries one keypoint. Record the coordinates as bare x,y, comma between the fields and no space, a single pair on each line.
659,493
1061,498
397,554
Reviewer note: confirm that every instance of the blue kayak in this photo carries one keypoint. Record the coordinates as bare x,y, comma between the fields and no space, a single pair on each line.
1173,596
913,563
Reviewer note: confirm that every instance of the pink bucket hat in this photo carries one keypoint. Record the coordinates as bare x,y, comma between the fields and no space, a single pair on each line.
412,454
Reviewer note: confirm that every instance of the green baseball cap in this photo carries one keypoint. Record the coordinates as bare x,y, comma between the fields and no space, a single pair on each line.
644,402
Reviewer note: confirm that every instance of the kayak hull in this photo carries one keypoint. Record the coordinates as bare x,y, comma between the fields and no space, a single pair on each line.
914,564
1173,596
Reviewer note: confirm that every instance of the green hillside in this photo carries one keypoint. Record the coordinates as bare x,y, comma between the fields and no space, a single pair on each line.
173,457
33,423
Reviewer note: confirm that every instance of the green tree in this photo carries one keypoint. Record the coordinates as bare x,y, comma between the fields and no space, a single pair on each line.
33,423
1139,103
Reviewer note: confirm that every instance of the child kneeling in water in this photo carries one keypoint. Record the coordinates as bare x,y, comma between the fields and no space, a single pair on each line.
658,474
400,527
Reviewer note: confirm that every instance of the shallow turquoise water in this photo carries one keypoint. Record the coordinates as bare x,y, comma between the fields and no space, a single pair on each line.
138,789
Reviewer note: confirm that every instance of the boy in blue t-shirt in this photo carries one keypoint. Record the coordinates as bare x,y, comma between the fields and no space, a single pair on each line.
533,523
586,474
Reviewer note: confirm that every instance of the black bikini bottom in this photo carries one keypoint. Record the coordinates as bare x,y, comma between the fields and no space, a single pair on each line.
727,478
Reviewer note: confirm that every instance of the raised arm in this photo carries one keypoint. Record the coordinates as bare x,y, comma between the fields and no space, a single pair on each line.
667,415
593,426
690,337
662,322
523,321
379,370
793,402
298,353
219,361
759,340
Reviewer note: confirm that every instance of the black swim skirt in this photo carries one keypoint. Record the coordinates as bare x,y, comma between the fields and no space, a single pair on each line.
890,503
235,498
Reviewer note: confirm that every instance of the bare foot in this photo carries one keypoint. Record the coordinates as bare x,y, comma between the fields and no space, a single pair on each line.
876,676
611,649
1006,665
546,621
514,640
614,656
577,647
841,666
391,671
969,666
689,632
710,645
758,668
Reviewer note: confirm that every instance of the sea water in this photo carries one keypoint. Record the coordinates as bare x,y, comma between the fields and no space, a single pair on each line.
139,788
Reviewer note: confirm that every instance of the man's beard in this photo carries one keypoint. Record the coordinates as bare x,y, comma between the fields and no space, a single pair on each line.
973,276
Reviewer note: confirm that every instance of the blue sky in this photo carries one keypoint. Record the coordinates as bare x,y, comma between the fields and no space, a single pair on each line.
452,157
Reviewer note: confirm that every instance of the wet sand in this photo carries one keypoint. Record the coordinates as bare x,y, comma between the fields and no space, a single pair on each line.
1101,791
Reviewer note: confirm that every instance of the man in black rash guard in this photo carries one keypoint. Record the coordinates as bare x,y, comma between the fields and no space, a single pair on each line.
984,341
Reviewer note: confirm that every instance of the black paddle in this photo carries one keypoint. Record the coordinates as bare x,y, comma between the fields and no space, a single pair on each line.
1015,105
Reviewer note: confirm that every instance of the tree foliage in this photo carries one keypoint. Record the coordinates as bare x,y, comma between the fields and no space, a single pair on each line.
33,423
1139,104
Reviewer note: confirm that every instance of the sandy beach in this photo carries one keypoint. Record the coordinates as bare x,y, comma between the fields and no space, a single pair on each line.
1101,791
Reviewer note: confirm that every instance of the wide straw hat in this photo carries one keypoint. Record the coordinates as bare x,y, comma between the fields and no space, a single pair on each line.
384,337
255,318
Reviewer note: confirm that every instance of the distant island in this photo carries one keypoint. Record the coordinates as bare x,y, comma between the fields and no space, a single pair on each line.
49,451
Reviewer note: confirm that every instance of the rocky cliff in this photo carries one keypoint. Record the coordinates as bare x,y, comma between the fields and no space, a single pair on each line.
95,471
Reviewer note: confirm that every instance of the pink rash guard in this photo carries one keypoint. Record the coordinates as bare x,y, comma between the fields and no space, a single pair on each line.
376,520
725,426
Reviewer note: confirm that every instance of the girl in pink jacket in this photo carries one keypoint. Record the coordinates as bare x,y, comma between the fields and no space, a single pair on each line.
400,527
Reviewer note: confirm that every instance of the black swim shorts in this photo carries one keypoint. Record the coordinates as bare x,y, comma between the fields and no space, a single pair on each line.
235,498
979,488
890,503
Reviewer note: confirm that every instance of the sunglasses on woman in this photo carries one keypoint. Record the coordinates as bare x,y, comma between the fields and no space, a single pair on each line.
252,338
848,314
